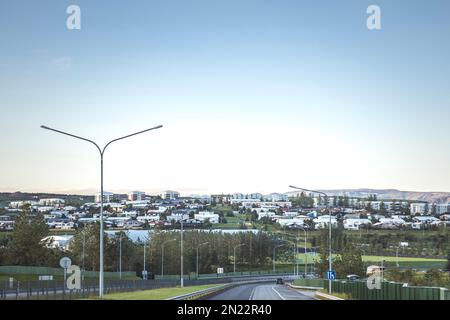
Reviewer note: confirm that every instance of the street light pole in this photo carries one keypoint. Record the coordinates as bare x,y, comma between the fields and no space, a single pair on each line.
182,254
84,244
145,270
330,264
306,254
102,152
120,256
234,256
197,254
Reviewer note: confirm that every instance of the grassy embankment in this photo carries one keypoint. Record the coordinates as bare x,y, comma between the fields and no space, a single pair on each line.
156,294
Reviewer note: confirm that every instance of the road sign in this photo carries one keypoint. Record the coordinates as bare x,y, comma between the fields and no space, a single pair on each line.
65,262
219,270
331,275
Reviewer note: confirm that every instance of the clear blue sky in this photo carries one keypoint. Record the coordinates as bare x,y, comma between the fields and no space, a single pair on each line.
254,95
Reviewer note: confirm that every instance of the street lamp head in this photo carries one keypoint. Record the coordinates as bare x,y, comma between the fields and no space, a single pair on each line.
45,127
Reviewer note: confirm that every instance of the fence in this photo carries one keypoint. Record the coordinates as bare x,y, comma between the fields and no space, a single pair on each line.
11,270
311,283
223,275
55,289
389,290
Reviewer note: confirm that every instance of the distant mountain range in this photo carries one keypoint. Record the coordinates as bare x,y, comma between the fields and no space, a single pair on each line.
389,194
6,197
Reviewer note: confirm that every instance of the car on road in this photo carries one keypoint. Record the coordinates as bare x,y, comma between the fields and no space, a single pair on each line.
280,281
352,277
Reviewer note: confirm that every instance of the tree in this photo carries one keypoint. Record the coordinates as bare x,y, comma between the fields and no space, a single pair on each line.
382,208
26,247
90,235
448,262
350,261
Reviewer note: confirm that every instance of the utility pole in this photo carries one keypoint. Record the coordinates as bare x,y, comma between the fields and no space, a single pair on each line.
182,254
327,208
102,152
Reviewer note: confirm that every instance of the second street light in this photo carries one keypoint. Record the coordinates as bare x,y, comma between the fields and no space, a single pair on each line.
329,227
201,244
234,256
102,152
162,256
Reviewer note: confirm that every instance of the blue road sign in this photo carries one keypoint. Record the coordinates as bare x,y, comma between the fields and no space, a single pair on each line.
331,275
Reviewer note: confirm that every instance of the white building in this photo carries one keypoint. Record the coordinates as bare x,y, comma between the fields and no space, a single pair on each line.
440,208
276,197
323,221
286,222
418,208
394,221
136,196
177,217
107,197
170,195
235,196
57,242
44,209
354,224
19,204
204,215
262,214
149,218
51,202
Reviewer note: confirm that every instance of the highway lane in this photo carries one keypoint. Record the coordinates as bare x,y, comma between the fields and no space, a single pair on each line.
263,291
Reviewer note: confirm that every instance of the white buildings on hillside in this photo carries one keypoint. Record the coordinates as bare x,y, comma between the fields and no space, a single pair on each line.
418,208
170,195
323,221
355,224
52,202
441,208
136,196
107,197
207,215
177,217
19,204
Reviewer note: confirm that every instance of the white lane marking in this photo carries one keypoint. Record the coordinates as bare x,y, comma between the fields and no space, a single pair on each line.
282,298
251,295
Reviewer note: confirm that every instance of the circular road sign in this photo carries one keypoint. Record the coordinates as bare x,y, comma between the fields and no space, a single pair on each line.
65,262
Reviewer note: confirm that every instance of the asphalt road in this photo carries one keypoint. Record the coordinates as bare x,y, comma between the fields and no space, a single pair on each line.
263,291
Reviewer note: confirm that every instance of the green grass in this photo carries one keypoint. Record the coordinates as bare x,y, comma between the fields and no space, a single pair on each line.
404,262
401,259
156,294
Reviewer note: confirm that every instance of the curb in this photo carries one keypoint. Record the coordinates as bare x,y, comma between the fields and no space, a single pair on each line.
304,287
324,296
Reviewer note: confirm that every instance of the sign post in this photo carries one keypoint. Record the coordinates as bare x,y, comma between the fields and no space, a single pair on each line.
65,263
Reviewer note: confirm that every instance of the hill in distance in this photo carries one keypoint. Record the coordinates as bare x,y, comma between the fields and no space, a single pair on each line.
389,194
